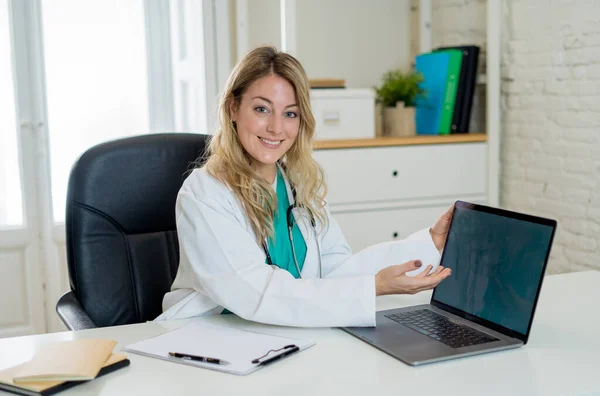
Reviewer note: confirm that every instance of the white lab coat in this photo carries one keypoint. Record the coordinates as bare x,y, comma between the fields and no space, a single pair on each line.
222,266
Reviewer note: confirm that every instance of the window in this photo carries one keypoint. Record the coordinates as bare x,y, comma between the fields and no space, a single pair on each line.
96,80
11,204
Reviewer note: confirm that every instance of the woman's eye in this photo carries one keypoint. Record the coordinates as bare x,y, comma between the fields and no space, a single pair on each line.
291,114
261,109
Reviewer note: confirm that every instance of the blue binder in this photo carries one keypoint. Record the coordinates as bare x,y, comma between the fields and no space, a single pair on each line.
434,68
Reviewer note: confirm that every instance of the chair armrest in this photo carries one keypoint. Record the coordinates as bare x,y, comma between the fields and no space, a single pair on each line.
72,314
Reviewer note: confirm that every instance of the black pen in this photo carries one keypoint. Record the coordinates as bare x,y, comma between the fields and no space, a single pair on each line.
196,358
277,357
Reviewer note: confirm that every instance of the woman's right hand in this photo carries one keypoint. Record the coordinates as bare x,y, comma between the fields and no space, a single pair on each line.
393,279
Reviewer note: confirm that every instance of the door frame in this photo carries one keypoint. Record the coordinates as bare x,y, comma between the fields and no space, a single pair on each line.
30,123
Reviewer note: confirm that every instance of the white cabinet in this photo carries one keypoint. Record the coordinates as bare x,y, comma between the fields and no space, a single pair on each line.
403,172
380,194
368,227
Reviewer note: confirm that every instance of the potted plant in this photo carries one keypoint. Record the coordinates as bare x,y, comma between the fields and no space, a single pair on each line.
397,95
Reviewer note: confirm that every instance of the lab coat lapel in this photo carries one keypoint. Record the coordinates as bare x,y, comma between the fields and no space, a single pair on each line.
310,267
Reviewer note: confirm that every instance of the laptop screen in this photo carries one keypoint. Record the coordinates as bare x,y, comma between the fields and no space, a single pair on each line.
497,260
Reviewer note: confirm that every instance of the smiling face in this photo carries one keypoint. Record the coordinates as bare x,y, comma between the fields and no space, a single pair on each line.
268,122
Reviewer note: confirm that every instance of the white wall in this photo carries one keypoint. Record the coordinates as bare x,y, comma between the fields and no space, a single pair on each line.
263,23
551,113
352,39
551,150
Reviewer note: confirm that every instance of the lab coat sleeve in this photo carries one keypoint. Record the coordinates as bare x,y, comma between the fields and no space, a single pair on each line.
230,267
338,260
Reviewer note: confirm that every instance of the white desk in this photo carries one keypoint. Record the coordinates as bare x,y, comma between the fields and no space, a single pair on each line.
562,357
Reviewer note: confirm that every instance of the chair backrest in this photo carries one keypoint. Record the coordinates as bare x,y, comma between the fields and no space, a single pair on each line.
122,247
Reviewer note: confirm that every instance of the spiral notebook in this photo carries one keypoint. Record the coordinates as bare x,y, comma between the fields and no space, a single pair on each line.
238,347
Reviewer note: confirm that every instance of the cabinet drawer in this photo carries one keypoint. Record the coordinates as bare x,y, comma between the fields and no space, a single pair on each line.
366,228
378,174
344,115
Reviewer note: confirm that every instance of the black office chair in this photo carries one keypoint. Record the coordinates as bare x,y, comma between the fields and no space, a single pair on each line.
122,248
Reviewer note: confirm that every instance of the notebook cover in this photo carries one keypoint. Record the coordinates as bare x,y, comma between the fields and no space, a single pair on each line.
466,88
454,66
74,360
116,362
460,91
428,109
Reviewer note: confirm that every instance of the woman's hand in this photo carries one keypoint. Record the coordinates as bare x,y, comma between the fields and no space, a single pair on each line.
439,231
393,279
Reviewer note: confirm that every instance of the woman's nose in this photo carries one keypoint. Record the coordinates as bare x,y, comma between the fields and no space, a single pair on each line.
275,125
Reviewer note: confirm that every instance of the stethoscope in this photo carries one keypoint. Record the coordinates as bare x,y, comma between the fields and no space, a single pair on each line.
290,226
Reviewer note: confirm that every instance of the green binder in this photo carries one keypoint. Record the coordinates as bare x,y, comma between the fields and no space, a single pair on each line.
447,113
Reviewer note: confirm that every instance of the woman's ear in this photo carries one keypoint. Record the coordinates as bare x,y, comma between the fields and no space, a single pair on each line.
233,108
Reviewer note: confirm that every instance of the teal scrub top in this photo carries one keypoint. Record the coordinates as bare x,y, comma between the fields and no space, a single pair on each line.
280,246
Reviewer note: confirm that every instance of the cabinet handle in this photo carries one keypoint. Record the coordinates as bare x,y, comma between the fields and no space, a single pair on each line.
395,173
331,117
395,235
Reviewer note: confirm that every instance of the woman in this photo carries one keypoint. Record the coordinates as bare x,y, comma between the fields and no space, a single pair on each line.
237,252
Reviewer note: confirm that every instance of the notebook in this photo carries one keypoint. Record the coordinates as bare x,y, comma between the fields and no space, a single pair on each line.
452,80
466,87
76,360
428,109
238,347
114,362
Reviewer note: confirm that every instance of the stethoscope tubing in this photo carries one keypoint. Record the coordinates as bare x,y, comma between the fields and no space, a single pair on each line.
290,225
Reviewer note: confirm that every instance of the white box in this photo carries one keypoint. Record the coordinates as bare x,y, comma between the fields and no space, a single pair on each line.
343,113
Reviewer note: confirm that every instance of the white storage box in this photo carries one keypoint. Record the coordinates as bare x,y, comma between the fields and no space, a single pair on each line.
343,113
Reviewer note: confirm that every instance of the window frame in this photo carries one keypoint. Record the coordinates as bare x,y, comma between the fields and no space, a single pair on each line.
32,130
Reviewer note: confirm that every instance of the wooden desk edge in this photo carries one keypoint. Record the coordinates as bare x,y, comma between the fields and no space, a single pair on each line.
399,141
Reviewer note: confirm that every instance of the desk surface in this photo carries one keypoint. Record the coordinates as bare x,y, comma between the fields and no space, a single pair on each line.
561,357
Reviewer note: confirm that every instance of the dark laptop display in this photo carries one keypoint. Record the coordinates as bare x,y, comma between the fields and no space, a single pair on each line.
498,259
497,263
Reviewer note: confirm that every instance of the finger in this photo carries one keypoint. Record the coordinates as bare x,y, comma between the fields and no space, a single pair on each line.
439,269
425,283
448,214
425,272
431,281
445,273
402,269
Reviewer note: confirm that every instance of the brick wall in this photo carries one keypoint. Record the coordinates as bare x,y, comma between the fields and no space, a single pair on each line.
550,150
551,122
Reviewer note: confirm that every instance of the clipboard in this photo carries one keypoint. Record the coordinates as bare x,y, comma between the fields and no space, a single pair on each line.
245,351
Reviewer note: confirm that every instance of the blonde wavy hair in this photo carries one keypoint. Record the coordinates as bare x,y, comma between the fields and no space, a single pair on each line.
229,162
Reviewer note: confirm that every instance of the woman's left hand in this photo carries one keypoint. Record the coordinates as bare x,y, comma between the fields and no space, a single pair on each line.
439,231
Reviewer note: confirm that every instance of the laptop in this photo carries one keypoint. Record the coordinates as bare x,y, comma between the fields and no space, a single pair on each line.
498,259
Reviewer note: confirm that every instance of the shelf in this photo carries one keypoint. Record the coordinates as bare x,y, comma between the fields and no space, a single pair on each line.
399,141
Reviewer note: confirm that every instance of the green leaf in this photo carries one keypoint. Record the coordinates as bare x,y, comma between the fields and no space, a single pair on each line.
397,86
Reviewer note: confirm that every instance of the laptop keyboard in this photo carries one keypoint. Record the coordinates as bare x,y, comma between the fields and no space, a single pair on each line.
440,328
